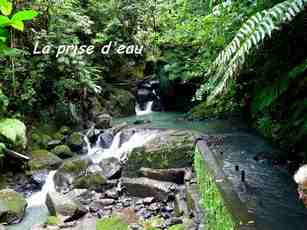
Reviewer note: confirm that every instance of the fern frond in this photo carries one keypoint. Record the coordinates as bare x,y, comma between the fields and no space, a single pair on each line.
229,62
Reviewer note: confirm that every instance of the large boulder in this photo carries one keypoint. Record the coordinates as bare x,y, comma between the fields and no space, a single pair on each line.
12,206
75,141
145,187
68,172
40,140
43,159
62,151
103,121
105,139
171,175
62,205
169,149
111,167
13,132
93,181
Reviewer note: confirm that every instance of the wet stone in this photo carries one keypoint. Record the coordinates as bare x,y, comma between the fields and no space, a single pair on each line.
174,221
148,200
108,207
114,194
154,207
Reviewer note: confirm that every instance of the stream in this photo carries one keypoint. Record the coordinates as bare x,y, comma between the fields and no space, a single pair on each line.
270,191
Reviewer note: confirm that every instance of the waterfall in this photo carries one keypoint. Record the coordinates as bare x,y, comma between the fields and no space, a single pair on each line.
138,139
148,109
38,199
37,211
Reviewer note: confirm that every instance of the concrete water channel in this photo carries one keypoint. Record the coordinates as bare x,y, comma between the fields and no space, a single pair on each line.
257,192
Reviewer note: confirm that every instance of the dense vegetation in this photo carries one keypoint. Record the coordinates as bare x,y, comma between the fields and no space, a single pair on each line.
234,53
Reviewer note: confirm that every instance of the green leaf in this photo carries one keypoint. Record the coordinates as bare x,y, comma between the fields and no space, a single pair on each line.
18,25
3,35
4,21
6,7
7,51
24,15
2,149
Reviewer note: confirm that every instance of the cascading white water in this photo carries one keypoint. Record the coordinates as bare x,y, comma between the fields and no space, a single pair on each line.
148,109
38,199
96,154
37,211
138,139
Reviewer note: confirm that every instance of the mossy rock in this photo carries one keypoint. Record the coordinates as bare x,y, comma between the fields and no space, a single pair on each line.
13,132
65,130
62,151
43,159
112,223
74,166
58,136
171,149
40,141
94,181
63,205
12,206
69,171
75,141
52,220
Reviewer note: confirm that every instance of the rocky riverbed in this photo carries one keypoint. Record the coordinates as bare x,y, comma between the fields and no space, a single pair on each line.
132,177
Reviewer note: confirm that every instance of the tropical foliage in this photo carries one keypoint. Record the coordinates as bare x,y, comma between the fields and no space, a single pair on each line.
233,53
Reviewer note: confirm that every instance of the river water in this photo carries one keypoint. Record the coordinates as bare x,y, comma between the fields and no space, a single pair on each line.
269,190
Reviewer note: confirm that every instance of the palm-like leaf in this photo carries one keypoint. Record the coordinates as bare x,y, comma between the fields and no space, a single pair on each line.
229,62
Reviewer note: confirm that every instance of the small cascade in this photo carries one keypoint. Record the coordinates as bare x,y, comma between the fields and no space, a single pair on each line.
97,154
148,97
38,199
37,211
148,109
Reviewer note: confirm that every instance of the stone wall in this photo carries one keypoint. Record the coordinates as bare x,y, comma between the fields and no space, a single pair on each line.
222,206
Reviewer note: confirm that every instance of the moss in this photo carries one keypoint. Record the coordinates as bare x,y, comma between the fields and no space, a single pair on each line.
12,205
178,227
217,215
58,136
123,103
167,156
40,140
42,159
112,223
13,132
74,166
219,108
62,151
75,139
92,181
52,220
64,130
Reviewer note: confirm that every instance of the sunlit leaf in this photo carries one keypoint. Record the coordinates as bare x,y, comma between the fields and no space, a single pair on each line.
4,21
24,15
6,7
18,25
